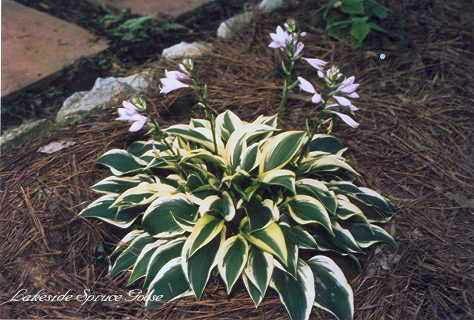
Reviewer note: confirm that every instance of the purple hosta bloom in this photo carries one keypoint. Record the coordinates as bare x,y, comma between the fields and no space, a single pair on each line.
280,39
344,117
173,81
347,89
287,40
318,64
130,113
305,85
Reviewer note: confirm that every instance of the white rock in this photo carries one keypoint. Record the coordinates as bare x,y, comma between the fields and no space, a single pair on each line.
268,6
56,146
20,134
185,50
234,25
80,104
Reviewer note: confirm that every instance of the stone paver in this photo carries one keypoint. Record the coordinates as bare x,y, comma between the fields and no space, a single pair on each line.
37,45
159,8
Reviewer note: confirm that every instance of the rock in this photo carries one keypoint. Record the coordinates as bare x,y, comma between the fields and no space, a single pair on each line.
268,6
56,146
185,50
80,104
234,25
20,134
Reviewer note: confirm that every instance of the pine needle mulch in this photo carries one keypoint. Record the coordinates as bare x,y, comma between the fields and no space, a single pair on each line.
415,144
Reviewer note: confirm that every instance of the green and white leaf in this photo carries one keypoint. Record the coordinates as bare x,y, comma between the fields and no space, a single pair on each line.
270,239
258,271
231,260
158,218
206,229
368,234
121,162
305,210
318,189
297,295
280,177
280,149
168,285
129,256
102,209
333,292
164,253
140,267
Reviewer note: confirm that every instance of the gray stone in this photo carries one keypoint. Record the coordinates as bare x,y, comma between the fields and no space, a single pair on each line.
56,146
268,6
20,134
105,90
185,50
234,25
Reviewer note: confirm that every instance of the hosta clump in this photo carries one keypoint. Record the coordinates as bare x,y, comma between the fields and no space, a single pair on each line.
245,199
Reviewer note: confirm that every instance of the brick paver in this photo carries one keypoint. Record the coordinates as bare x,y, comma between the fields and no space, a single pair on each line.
159,8
37,45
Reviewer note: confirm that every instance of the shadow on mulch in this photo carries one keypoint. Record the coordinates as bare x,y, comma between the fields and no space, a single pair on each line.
414,144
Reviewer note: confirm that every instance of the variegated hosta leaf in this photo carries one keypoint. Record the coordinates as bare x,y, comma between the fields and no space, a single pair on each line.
141,264
258,272
226,123
328,162
138,148
102,209
200,123
169,284
206,229
303,238
126,240
164,253
271,121
281,149
252,290
248,160
317,189
292,246
143,194
231,260
346,210
280,177
373,198
325,143
270,239
121,162
116,185
305,209
129,256
344,240
368,234
260,215
200,136
205,156
333,292
198,266
158,218
297,295
223,205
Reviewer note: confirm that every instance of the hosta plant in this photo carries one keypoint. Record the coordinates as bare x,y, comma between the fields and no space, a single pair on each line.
252,203
265,208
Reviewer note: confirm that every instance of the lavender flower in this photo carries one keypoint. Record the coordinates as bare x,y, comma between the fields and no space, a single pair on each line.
318,64
130,113
305,85
280,39
173,81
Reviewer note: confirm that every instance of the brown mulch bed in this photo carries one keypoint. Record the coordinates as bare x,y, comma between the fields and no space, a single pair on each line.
415,144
